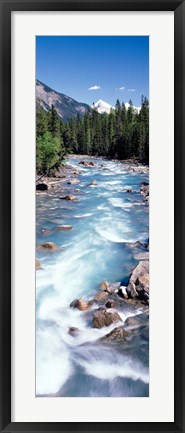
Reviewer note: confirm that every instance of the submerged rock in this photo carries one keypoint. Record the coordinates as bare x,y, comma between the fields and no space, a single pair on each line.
138,320
73,182
45,232
136,244
104,317
76,172
129,190
74,332
69,197
87,163
93,183
38,265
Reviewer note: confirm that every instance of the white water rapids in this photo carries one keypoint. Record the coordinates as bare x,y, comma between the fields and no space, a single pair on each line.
104,220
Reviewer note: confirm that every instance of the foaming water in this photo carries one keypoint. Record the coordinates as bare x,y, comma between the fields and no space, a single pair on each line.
104,219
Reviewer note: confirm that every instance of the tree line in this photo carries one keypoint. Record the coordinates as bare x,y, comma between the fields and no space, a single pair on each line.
122,134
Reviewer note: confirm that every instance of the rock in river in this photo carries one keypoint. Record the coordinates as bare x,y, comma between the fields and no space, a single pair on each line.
93,183
41,186
64,227
74,332
48,246
101,296
117,334
104,317
80,304
38,265
87,163
69,197
73,182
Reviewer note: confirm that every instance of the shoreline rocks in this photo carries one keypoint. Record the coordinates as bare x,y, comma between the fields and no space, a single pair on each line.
41,187
138,286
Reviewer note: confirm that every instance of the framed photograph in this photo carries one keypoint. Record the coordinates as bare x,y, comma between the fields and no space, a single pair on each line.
92,287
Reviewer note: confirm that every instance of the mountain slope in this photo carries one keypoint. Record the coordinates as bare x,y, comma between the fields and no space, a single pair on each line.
65,106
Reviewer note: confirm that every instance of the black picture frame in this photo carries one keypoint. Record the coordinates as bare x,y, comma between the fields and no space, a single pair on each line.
6,7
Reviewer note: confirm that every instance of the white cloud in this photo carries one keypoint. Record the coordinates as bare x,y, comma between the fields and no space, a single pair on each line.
131,90
94,88
120,88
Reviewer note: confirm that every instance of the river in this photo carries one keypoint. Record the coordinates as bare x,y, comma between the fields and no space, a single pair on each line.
105,219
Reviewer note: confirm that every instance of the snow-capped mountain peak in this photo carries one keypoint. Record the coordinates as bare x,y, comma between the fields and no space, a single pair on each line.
102,106
137,109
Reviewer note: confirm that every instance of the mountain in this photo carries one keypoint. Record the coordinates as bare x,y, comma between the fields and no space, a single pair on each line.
102,106
65,106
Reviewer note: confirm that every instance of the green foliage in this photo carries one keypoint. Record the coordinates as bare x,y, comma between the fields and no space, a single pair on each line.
122,134
48,152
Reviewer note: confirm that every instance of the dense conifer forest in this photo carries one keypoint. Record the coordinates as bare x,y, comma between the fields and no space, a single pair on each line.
122,134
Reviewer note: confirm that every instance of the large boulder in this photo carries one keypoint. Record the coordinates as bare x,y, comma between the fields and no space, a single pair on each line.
104,317
138,286
141,269
117,334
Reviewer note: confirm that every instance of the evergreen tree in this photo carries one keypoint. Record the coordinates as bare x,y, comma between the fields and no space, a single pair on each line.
120,134
53,122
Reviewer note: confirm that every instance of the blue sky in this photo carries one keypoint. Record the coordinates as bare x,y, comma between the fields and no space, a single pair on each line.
89,68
